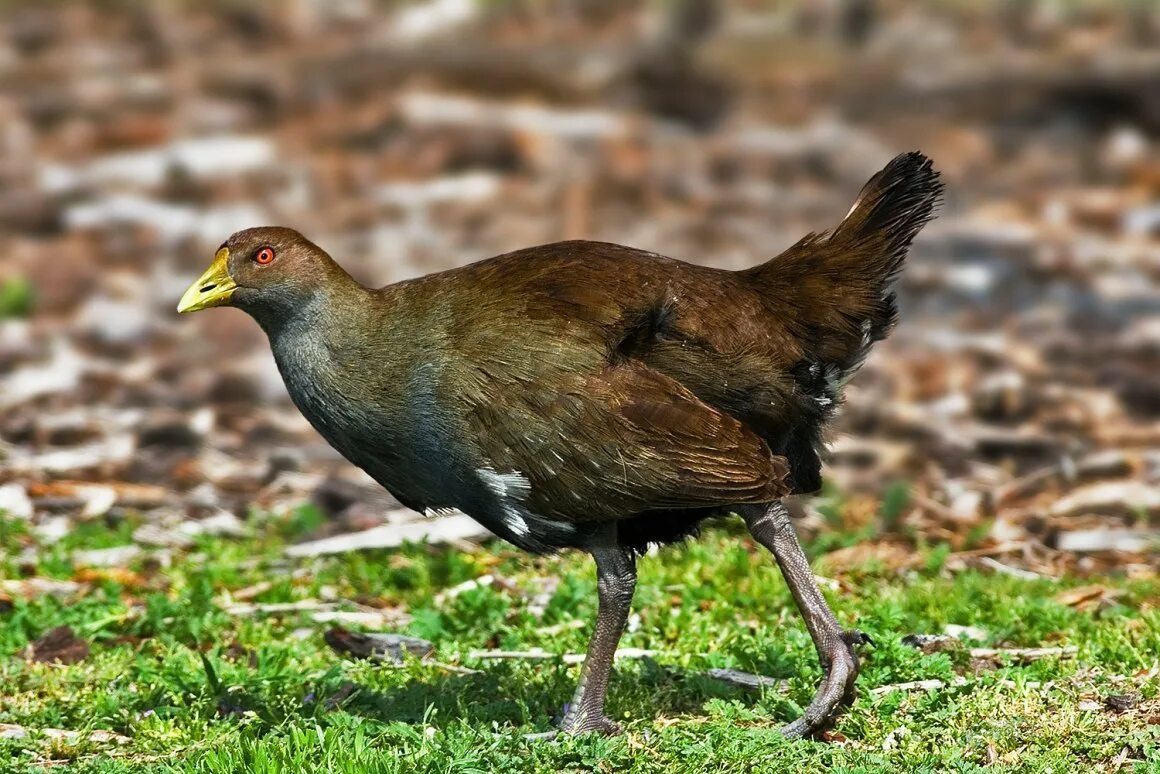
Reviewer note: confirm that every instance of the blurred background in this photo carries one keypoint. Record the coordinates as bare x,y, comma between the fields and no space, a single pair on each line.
1014,415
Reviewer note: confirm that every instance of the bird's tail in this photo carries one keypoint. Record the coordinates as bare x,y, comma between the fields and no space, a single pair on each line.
834,289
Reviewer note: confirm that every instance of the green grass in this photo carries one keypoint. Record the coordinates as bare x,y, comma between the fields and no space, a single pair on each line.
17,297
197,689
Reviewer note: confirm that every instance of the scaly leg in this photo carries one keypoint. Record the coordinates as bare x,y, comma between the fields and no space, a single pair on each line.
770,525
615,582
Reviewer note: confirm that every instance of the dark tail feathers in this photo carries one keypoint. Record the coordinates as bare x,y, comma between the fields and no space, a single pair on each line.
835,287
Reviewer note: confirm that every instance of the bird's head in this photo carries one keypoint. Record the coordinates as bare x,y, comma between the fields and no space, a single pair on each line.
269,272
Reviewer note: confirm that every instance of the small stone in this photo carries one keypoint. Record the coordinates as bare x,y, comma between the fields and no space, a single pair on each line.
14,501
52,529
933,643
115,556
222,522
156,535
970,632
377,646
1122,702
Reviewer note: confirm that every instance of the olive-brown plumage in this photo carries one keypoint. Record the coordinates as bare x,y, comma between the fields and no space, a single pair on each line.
584,394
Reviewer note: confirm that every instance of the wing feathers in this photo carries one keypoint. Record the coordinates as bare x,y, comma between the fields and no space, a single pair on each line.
623,441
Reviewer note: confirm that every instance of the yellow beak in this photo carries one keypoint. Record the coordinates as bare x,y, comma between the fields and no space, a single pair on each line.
214,288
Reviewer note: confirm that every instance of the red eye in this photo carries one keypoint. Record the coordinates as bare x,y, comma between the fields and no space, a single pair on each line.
264,256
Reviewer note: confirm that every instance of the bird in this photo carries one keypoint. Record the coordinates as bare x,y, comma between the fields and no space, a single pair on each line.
590,396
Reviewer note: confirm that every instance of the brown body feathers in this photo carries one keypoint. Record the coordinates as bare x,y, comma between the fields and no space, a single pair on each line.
551,390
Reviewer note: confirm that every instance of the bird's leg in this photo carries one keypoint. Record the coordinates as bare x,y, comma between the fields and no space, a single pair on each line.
615,582
770,525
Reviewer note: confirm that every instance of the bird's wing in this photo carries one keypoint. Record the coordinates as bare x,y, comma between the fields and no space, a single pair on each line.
619,441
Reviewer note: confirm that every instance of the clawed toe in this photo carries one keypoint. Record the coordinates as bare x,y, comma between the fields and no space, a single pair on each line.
798,729
574,725
591,724
607,727
836,690
856,637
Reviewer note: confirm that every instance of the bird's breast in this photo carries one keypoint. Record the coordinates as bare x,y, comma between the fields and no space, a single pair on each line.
384,417
397,421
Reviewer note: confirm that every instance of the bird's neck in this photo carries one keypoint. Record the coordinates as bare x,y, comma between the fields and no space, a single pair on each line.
328,326
325,355
323,305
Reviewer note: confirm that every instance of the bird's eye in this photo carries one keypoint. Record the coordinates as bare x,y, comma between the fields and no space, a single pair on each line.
264,256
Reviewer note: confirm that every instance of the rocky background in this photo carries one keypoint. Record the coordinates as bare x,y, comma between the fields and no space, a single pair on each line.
1014,415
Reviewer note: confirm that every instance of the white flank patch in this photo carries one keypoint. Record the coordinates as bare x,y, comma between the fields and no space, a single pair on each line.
515,522
509,487
514,485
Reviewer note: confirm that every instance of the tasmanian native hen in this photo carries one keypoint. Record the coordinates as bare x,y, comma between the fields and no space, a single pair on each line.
593,396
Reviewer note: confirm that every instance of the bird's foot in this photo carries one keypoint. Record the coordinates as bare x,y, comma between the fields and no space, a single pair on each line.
856,637
836,690
575,723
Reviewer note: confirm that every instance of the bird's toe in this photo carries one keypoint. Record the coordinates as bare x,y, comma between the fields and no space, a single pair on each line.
591,724
856,637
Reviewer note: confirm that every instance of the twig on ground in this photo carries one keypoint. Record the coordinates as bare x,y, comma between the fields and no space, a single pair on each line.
1014,572
538,654
919,685
273,608
1025,654
747,679
371,618
12,731
249,592
1001,548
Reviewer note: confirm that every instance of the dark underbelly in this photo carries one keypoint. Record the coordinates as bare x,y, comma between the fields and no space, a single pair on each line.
425,471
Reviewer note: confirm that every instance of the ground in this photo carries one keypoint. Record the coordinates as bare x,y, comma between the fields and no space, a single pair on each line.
196,683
